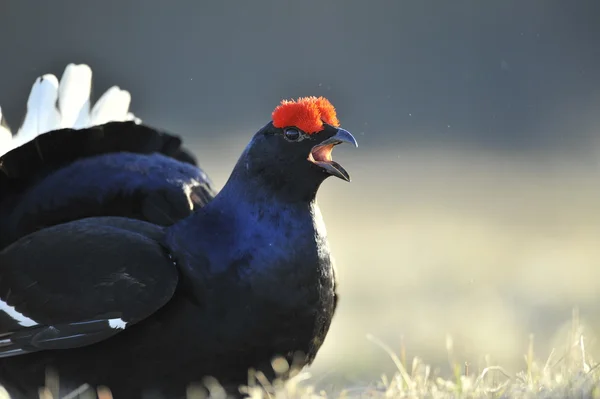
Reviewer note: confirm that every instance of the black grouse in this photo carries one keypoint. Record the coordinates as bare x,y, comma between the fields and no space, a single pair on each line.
121,266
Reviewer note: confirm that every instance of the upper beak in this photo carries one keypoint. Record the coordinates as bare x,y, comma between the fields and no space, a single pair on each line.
321,154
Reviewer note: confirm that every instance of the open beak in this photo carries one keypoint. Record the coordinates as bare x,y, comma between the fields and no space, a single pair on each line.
321,154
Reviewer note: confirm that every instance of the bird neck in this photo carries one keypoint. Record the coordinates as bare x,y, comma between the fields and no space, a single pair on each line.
245,198
255,183
259,231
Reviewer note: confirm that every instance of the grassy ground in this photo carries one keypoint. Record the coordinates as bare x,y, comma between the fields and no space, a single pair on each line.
567,372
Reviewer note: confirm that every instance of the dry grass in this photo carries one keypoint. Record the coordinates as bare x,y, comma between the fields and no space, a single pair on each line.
568,372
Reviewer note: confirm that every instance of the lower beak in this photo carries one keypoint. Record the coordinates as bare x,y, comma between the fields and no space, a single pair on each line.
321,154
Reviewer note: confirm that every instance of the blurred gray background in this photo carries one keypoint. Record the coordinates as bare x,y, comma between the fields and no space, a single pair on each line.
475,203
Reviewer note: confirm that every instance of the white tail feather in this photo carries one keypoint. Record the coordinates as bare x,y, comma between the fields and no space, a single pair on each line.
72,96
5,135
112,106
132,117
42,114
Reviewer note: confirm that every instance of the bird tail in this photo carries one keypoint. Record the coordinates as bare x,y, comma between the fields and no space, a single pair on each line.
55,104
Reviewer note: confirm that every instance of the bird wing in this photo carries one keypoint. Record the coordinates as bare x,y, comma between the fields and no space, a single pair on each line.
70,285
116,169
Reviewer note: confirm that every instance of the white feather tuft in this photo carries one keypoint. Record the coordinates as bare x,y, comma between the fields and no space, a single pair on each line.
72,96
132,117
5,134
42,114
112,106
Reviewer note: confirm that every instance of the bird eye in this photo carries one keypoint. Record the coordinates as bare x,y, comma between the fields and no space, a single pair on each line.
292,134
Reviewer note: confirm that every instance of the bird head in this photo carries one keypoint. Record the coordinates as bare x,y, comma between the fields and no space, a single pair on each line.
293,151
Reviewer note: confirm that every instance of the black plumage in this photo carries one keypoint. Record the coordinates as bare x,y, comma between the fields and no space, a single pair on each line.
121,266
